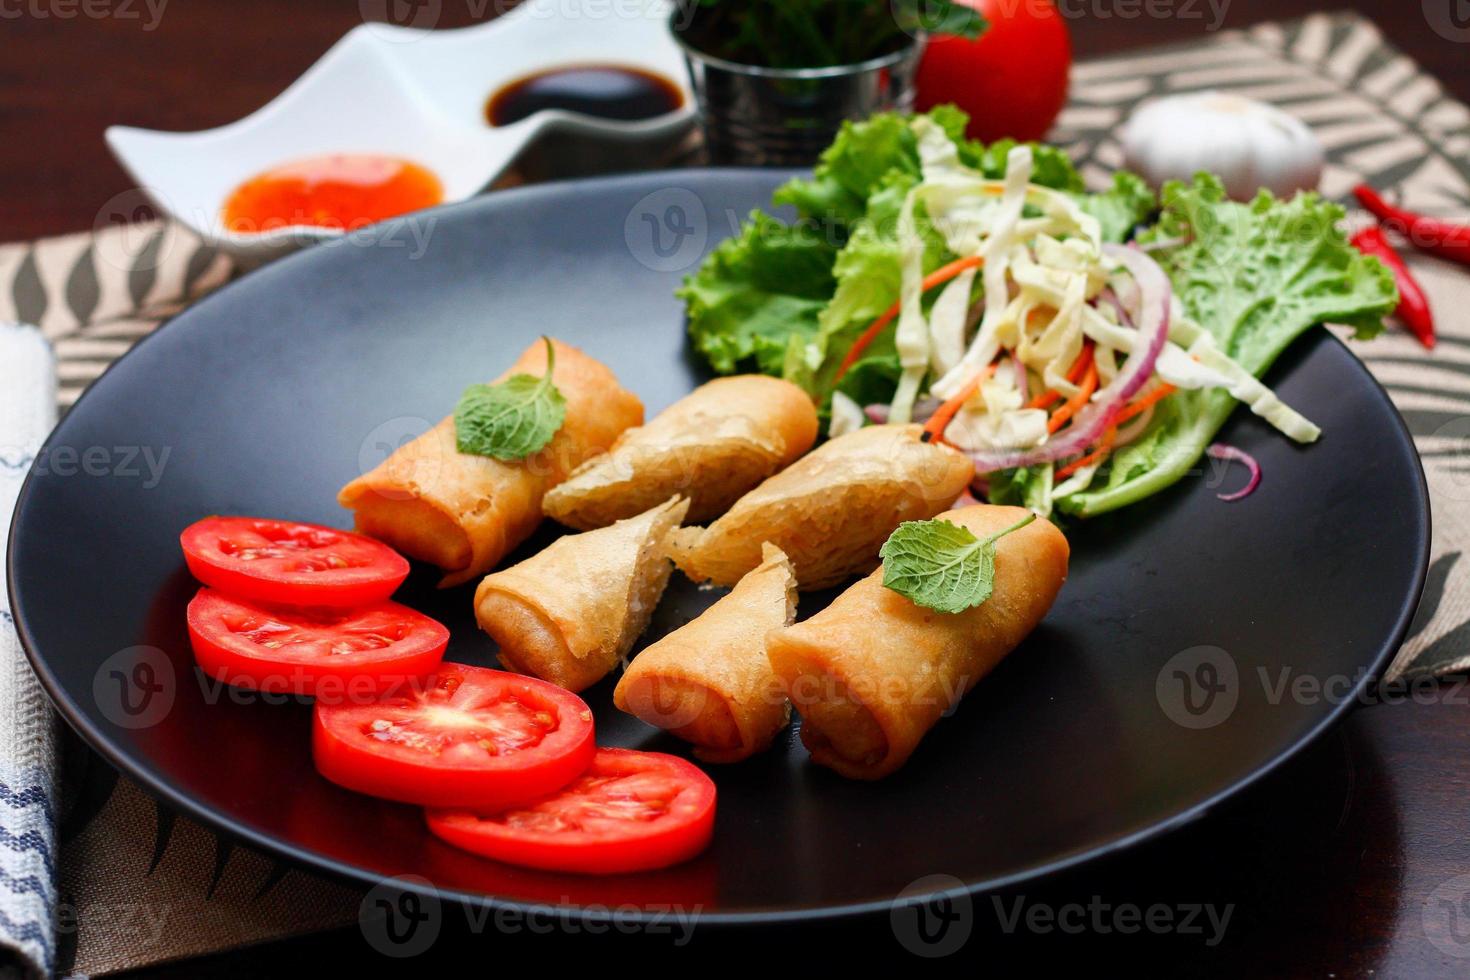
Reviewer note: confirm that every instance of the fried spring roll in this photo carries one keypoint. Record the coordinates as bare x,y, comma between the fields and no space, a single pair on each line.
873,672
831,510
711,446
569,613
464,513
710,682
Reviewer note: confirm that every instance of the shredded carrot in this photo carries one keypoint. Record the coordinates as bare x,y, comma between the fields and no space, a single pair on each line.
944,414
942,274
1134,408
1104,446
1143,403
1074,404
1074,375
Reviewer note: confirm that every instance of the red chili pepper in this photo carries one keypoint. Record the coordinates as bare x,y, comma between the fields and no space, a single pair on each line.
1413,304
1423,232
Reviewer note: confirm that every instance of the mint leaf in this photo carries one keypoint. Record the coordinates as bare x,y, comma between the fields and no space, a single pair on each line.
512,419
940,565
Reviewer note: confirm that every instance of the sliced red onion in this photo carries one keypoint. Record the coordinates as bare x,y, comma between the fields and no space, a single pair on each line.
1097,415
1225,451
1135,428
923,410
1109,298
1126,293
976,314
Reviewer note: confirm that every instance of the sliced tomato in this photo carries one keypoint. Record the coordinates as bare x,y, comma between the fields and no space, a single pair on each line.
630,811
468,737
290,563
333,654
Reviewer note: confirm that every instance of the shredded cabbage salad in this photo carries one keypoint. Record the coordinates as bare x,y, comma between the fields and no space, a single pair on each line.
981,291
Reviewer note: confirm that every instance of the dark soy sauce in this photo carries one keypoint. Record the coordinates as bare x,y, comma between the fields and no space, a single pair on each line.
605,91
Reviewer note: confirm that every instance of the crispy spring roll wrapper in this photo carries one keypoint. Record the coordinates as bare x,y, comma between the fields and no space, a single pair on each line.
569,613
873,672
464,513
710,682
711,446
831,510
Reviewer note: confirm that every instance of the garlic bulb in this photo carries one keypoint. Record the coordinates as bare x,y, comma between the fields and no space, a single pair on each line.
1248,144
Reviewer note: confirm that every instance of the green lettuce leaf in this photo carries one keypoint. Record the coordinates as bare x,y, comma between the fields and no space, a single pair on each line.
861,159
1256,276
1050,166
1027,486
867,273
1121,208
791,301
757,292
867,269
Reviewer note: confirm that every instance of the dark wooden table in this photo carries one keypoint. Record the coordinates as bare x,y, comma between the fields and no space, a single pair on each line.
1343,863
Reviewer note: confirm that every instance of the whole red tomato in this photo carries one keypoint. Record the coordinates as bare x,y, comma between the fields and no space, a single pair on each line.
1012,80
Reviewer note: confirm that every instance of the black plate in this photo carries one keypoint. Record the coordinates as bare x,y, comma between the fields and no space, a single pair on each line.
271,394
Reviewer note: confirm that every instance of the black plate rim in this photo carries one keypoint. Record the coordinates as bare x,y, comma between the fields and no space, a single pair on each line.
79,721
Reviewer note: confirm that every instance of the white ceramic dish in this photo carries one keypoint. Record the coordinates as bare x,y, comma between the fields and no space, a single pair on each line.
411,93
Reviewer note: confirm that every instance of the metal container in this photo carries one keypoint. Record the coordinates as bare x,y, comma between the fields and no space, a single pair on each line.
754,116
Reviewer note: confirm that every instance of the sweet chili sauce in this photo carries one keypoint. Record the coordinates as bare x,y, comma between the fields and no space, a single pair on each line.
339,190
606,91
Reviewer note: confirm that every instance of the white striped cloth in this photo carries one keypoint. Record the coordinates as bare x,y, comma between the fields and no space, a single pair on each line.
28,777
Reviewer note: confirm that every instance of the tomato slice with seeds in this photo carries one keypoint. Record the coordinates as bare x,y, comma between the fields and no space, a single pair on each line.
468,737
630,811
291,563
334,654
